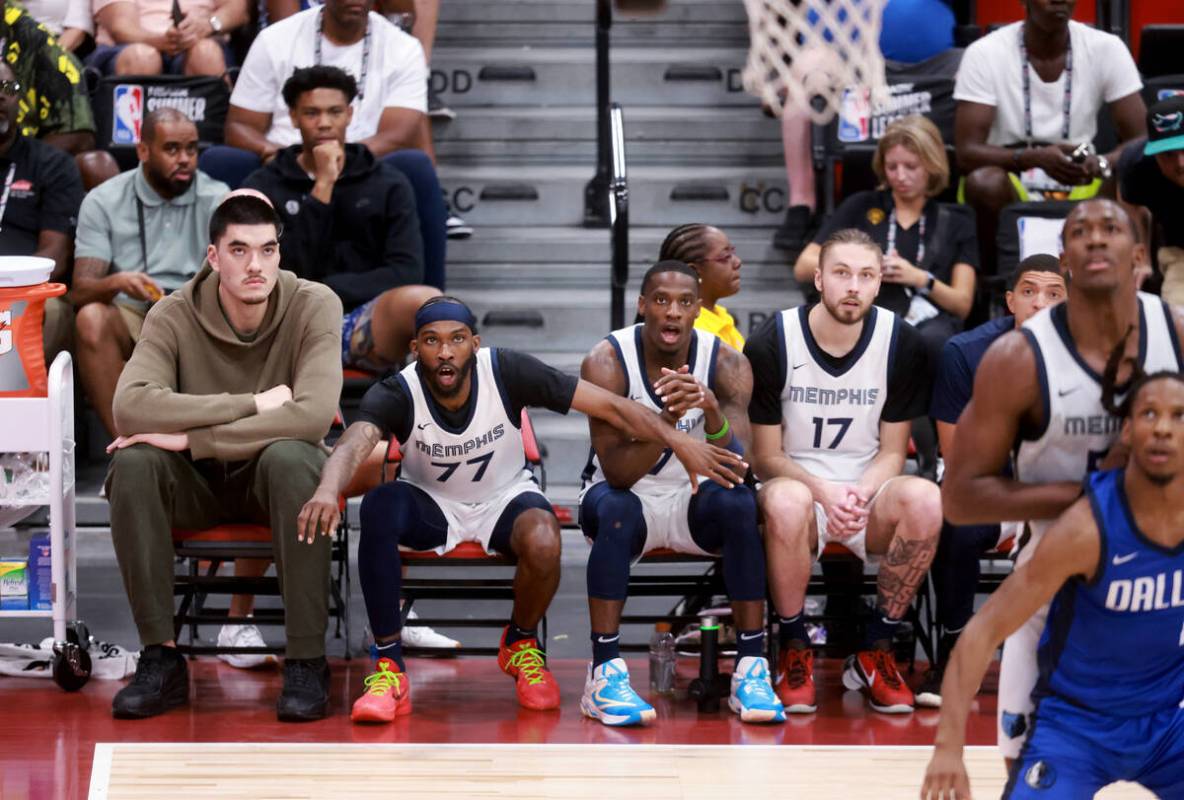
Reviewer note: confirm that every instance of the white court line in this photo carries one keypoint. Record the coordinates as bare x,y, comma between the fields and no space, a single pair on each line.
100,772
108,746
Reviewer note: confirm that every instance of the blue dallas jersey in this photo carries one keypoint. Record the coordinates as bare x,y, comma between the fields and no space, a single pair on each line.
1116,644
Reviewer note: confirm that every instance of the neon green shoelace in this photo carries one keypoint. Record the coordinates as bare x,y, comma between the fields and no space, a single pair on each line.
382,681
530,662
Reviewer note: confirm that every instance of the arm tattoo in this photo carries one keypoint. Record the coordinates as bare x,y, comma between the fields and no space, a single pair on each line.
901,572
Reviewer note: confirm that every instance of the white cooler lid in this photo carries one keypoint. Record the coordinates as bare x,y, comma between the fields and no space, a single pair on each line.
24,271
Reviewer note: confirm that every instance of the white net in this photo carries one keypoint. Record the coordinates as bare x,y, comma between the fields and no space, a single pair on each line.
816,56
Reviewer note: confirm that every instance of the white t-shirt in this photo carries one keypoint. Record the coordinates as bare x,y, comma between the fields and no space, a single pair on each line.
397,75
1103,71
57,15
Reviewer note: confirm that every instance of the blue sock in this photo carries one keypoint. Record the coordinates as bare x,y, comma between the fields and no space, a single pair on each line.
605,647
392,650
750,643
792,632
516,634
880,632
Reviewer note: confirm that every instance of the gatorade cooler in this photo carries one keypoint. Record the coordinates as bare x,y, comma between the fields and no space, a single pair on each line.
24,288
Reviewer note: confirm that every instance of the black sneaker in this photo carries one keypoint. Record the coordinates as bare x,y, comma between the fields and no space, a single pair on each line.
797,229
457,228
437,108
161,682
928,694
306,690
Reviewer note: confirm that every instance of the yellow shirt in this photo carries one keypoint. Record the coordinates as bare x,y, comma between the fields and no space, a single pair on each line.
720,323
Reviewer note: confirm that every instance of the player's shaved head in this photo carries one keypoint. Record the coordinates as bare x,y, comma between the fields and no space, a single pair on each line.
661,268
1104,206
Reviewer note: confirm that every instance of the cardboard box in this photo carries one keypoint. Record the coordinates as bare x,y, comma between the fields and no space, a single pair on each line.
40,575
14,584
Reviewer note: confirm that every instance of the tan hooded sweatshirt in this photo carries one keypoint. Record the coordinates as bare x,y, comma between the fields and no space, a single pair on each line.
191,373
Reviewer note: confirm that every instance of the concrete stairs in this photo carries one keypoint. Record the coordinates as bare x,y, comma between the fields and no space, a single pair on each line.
514,163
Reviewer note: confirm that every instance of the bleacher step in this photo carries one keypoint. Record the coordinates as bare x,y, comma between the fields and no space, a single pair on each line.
653,135
565,76
554,195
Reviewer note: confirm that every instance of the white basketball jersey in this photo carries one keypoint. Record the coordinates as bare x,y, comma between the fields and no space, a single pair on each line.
668,473
830,418
1078,431
471,465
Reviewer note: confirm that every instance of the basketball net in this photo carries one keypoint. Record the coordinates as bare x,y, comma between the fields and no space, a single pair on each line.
815,66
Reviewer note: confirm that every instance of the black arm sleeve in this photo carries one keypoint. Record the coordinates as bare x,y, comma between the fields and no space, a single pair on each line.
765,351
529,383
387,406
910,381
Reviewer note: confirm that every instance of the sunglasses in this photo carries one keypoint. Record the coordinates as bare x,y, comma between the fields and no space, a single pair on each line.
10,88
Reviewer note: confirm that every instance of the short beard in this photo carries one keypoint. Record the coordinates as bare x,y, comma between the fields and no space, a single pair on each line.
462,372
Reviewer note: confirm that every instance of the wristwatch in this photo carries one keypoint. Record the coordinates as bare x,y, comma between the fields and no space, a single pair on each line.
1104,168
928,287
215,24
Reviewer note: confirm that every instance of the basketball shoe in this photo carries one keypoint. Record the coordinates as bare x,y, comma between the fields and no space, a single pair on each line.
875,672
387,694
752,693
525,663
795,685
609,698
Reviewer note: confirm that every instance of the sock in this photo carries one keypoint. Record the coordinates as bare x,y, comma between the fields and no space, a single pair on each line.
605,647
516,634
880,631
393,651
750,643
791,630
945,644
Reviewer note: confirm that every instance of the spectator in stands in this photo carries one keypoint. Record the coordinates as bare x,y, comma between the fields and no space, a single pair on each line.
68,20
1028,95
911,31
710,253
143,37
349,220
140,236
931,256
1036,283
53,104
224,406
389,112
41,207
1151,175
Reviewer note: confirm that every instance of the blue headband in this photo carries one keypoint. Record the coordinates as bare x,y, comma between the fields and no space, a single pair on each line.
445,311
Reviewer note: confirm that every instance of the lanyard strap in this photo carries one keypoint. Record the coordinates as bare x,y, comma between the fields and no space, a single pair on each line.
365,50
920,235
143,235
7,189
1027,83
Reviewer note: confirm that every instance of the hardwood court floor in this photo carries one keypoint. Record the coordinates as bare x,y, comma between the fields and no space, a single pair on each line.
525,772
47,736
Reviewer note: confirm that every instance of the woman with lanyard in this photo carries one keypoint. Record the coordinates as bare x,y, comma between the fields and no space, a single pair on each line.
931,251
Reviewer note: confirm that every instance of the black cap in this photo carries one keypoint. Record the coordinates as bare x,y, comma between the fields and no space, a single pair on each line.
1165,126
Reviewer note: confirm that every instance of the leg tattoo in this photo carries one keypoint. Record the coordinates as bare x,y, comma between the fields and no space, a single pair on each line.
901,573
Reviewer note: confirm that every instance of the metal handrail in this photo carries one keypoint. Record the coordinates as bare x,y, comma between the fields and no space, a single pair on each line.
596,212
618,203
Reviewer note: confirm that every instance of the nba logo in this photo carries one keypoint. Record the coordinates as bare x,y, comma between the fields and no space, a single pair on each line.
855,111
128,105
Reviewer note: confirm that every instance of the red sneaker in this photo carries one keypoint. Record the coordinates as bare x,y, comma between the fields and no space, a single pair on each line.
875,672
795,681
387,695
525,662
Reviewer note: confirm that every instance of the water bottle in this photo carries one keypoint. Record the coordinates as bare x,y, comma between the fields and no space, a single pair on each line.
662,659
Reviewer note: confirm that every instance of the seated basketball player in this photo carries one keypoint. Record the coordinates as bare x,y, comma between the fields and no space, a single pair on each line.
637,499
835,385
456,413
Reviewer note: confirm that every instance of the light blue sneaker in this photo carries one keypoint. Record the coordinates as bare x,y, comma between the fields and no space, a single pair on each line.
609,698
753,697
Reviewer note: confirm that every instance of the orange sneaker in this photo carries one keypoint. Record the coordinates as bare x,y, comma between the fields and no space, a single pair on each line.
875,672
795,683
387,695
525,663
